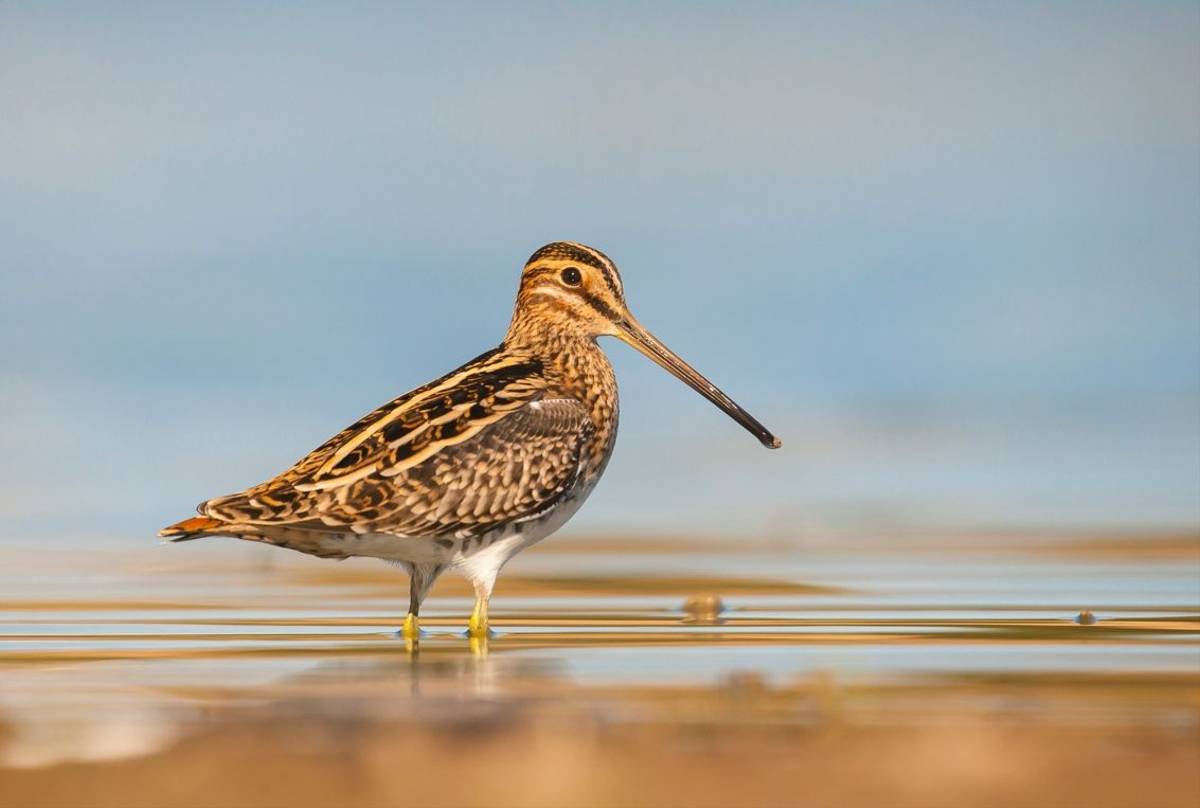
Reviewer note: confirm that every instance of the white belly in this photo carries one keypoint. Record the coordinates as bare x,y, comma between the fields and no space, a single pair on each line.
476,557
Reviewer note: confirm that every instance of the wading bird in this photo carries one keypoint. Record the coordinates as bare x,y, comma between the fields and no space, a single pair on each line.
465,472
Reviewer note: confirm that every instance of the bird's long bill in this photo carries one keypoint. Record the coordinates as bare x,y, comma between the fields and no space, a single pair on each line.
632,332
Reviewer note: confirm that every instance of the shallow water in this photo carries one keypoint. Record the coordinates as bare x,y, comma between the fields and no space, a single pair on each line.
127,653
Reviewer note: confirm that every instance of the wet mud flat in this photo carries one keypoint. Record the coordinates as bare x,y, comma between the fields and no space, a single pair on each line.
1000,672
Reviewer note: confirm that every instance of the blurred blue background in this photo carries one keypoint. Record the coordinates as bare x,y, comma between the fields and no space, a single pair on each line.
949,252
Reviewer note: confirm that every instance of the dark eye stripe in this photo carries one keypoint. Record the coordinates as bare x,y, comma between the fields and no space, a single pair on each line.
600,306
592,300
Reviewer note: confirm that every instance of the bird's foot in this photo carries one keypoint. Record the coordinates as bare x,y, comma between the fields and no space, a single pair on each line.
412,627
477,625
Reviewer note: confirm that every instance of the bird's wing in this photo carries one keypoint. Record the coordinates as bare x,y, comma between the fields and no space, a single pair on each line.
479,447
516,468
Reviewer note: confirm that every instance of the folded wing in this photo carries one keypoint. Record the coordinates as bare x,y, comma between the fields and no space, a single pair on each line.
480,447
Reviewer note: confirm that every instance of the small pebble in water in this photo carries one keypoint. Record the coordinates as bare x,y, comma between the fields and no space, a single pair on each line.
744,683
703,608
1085,618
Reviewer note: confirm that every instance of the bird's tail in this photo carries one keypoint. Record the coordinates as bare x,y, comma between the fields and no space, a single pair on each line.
194,528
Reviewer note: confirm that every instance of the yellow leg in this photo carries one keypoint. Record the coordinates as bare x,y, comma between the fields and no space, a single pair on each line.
477,626
421,577
412,627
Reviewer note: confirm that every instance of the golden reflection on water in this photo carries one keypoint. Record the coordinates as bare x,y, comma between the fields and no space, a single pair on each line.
136,676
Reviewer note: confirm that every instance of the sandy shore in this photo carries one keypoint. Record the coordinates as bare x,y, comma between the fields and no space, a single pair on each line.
738,744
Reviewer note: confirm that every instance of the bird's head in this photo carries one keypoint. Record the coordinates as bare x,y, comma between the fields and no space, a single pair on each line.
570,289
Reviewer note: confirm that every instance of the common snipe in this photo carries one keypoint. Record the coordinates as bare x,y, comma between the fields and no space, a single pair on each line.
465,472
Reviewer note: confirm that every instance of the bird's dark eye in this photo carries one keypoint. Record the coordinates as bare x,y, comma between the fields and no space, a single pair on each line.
572,276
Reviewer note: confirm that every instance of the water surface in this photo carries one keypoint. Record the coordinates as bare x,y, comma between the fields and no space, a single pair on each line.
124,659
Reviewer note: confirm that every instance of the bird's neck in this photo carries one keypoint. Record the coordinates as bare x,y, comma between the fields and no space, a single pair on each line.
572,363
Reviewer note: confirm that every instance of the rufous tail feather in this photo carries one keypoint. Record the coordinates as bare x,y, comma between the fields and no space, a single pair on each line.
192,528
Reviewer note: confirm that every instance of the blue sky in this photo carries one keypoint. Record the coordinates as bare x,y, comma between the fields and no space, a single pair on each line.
948,251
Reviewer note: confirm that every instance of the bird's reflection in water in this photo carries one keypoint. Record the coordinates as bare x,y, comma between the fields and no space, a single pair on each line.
437,678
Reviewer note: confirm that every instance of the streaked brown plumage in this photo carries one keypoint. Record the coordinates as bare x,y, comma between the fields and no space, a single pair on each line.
466,471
